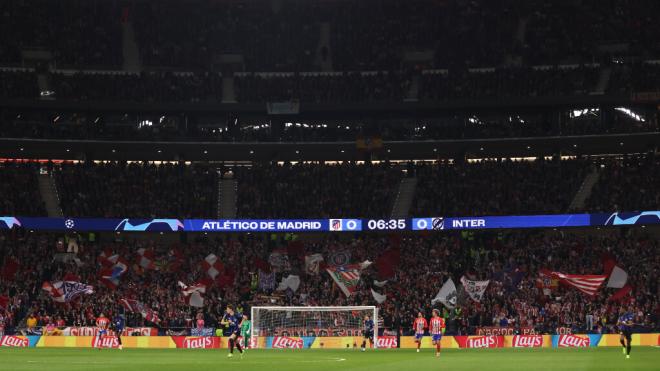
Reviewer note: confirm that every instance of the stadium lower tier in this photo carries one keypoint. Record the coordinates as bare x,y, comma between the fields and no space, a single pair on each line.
310,342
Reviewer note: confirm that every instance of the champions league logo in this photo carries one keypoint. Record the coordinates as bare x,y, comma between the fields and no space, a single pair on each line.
633,218
69,224
153,225
9,221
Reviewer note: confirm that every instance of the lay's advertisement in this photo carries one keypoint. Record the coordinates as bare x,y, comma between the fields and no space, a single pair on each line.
307,342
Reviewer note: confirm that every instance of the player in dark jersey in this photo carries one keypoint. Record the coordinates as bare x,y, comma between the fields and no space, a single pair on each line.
232,322
625,324
367,332
118,324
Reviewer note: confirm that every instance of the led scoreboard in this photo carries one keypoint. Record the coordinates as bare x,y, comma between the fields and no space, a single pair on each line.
387,225
437,223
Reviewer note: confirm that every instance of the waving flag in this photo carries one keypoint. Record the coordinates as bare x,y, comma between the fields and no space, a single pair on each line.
115,268
475,289
135,306
291,282
279,260
447,295
212,265
379,298
65,291
193,293
146,258
586,283
346,277
313,263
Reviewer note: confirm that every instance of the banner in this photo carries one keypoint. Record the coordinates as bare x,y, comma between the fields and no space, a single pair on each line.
204,331
493,330
94,331
335,342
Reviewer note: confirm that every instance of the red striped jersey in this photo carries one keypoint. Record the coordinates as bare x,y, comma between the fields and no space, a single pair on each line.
437,324
419,325
102,322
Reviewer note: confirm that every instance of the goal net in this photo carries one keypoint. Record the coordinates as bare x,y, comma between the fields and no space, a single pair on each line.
297,327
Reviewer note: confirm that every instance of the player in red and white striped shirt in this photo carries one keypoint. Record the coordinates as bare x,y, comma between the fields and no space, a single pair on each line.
437,329
102,323
419,326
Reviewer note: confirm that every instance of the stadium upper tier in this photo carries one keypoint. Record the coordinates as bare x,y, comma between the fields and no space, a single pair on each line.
344,35
307,190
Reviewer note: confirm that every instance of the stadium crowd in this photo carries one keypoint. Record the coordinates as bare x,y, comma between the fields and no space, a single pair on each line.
510,260
19,188
136,190
363,35
317,191
314,190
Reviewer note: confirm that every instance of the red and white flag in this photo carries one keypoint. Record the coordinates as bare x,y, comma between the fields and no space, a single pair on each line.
146,258
65,291
115,267
193,293
586,283
212,265
135,306
346,277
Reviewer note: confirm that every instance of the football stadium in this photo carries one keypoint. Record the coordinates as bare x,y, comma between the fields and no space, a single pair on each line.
329,185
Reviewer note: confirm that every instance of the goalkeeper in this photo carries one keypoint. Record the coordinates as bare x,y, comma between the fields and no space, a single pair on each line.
246,329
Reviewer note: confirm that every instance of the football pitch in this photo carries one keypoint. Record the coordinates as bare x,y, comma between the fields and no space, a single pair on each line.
53,359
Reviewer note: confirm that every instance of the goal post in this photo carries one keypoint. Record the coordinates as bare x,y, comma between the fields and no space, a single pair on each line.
287,327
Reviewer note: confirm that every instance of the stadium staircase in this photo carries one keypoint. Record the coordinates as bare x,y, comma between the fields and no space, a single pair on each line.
130,49
404,198
603,81
584,192
49,195
227,189
412,95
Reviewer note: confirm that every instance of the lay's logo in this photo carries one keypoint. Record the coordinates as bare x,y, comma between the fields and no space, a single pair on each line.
573,341
285,342
14,341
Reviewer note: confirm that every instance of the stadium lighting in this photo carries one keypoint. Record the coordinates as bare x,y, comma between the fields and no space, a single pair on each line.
630,114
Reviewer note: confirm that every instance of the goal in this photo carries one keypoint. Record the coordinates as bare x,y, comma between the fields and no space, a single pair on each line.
281,325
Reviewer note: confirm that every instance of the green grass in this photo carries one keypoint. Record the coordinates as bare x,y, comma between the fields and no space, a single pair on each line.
53,359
